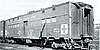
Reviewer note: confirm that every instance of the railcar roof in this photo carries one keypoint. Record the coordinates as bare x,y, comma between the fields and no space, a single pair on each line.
80,4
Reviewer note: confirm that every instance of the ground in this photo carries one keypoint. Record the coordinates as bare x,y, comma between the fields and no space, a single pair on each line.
5,46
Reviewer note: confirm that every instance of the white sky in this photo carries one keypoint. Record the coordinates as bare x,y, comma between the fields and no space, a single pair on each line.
13,8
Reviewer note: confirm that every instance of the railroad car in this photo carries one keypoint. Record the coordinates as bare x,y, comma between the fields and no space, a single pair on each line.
70,22
96,38
2,29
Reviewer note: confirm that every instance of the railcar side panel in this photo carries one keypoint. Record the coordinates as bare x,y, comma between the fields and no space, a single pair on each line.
56,19
1,29
14,28
75,22
36,20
